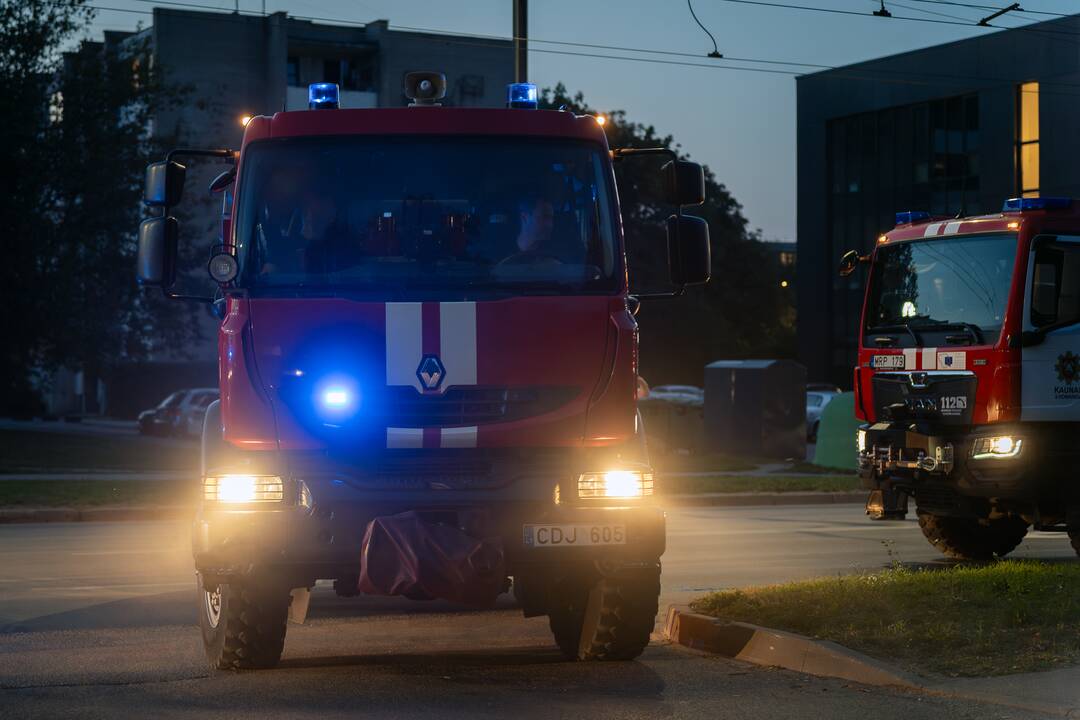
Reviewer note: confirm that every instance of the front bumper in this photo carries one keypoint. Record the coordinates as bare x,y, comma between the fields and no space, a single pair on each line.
324,541
942,470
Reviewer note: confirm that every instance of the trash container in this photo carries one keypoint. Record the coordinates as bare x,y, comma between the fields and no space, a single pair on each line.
756,408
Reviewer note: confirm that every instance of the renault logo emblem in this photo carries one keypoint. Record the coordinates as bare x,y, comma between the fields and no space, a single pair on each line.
430,372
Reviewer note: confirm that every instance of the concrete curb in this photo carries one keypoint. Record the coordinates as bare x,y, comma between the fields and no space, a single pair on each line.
102,514
776,648
763,498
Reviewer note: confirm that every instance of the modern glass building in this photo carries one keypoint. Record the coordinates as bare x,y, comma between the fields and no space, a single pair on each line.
953,129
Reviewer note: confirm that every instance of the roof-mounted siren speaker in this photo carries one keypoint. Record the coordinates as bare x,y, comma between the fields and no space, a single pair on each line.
424,88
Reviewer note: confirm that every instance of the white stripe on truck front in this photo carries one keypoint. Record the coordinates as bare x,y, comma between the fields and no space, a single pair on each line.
457,342
457,351
404,343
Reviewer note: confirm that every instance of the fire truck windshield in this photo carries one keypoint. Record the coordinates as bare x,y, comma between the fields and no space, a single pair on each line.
426,214
956,284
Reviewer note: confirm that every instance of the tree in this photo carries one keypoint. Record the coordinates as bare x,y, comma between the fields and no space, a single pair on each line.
80,129
742,312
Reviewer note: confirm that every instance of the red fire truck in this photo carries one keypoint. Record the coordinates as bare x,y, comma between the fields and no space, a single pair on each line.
428,368
968,376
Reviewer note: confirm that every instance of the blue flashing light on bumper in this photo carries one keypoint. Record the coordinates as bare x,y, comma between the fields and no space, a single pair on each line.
523,96
336,399
323,96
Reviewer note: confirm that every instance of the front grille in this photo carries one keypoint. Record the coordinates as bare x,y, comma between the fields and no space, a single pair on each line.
937,398
471,405
435,469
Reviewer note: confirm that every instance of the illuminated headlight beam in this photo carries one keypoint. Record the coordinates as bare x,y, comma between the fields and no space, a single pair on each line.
619,484
239,489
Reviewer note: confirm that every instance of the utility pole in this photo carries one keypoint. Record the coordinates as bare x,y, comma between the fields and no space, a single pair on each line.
521,49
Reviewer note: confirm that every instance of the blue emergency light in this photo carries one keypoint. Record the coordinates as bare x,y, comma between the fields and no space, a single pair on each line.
911,216
522,95
1036,203
323,96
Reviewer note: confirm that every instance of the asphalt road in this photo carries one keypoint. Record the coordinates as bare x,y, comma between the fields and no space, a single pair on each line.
96,621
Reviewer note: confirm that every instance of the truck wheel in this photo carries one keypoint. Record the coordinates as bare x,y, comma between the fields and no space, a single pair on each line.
968,539
609,619
243,624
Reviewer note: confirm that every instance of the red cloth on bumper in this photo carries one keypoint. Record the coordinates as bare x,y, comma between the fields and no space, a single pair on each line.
403,555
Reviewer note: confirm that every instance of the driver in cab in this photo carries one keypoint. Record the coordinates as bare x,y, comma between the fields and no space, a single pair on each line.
536,216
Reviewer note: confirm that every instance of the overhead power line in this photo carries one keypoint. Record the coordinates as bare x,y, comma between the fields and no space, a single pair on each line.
715,50
908,18
976,6
877,75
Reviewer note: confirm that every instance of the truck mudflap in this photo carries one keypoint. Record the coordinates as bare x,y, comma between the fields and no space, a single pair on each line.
404,555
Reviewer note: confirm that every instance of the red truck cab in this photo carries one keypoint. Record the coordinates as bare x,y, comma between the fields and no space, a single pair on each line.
968,377
428,369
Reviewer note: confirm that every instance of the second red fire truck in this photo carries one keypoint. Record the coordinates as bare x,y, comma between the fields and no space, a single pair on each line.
968,377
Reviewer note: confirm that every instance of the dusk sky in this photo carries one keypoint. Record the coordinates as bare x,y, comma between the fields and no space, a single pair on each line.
740,123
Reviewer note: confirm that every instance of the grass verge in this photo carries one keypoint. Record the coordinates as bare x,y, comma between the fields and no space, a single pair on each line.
711,462
757,483
25,451
94,493
802,466
1008,617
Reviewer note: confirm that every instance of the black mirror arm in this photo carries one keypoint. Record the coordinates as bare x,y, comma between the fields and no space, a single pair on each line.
193,298
223,153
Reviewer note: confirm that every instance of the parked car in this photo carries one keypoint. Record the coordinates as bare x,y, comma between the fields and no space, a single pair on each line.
817,397
684,394
181,413
193,413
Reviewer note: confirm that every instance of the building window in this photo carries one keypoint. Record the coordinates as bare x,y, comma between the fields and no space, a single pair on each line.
924,156
292,72
1027,139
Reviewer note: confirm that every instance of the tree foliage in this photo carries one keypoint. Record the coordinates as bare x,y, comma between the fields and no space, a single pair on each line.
742,312
78,124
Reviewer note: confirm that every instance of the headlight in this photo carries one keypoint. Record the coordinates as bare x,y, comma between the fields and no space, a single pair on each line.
615,484
241,489
1002,446
860,440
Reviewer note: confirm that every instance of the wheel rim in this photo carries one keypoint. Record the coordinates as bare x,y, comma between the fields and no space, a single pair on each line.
212,601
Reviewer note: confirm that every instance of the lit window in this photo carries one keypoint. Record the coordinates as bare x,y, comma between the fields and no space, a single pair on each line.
1027,140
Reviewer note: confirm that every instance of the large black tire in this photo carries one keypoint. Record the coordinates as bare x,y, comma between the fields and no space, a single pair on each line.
969,539
243,624
607,619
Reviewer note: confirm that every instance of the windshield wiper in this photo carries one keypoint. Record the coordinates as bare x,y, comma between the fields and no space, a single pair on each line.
974,330
899,327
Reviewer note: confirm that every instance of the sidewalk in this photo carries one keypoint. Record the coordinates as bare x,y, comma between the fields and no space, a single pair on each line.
1054,692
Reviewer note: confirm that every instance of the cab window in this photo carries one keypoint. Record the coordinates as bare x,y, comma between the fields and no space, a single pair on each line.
1055,292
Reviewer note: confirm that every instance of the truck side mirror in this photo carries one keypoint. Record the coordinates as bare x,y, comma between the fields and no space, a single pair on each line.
688,250
156,260
851,260
685,182
164,184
